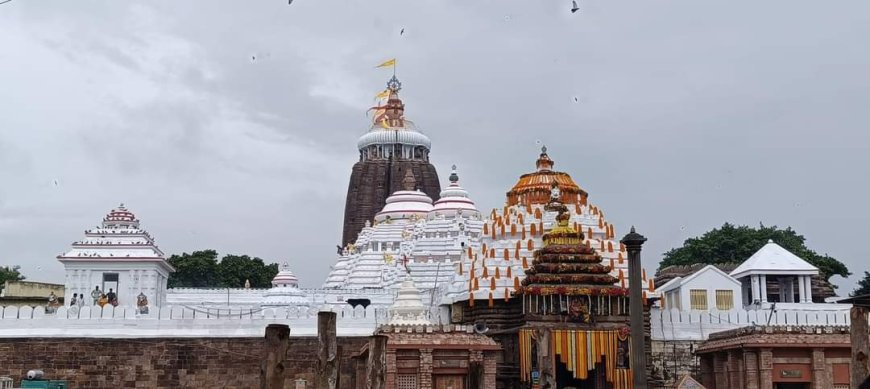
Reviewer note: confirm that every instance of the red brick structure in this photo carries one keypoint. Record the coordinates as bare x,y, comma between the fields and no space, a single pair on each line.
433,357
777,358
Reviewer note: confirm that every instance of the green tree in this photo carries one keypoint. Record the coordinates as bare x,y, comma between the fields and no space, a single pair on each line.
9,273
201,269
233,270
196,270
863,286
731,243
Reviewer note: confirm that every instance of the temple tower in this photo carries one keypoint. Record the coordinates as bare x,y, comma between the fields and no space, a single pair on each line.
387,152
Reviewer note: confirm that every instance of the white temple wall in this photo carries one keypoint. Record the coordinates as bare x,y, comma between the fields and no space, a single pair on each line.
132,279
697,325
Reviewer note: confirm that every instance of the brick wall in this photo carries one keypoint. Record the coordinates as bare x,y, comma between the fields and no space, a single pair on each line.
163,363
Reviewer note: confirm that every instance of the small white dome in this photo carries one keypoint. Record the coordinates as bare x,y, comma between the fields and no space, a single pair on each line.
454,200
285,278
405,203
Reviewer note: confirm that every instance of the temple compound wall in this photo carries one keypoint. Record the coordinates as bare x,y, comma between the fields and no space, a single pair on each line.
167,362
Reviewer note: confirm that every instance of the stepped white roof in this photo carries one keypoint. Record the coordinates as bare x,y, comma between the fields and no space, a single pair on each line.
405,204
118,239
773,259
454,200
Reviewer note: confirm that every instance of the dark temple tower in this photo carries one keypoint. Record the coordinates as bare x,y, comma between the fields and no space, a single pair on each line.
392,147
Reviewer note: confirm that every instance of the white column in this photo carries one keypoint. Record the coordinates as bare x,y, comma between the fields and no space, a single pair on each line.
802,288
809,288
756,290
763,285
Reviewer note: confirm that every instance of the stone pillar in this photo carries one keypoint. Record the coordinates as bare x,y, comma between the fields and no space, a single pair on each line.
272,367
546,364
735,370
489,370
391,369
720,370
750,369
326,370
762,279
860,345
376,364
765,369
633,243
820,375
425,378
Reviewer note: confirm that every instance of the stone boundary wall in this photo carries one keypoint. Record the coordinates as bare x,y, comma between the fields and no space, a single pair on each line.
230,363
698,325
179,321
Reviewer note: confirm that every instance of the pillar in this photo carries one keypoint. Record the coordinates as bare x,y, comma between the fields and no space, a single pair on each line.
750,369
720,370
272,367
633,242
809,288
546,364
860,344
489,370
425,381
762,279
377,364
326,369
765,369
802,289
820,375
391,369
756,289
735,370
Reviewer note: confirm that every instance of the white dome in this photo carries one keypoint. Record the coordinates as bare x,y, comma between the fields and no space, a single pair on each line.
285,278
405,203
388,136
454,199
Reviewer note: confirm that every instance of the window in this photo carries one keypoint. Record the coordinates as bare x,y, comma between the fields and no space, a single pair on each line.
724,300
698,298
406,381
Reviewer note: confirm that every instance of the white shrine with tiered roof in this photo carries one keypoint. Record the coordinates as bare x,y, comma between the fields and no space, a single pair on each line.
117,255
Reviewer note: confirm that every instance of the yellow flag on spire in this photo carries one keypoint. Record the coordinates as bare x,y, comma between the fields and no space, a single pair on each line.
391,62
383,95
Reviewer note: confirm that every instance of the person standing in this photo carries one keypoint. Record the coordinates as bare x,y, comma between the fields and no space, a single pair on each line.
74,300
113,298
96,294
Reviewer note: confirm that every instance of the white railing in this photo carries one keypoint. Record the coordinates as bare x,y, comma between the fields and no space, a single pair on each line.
180,321
698,325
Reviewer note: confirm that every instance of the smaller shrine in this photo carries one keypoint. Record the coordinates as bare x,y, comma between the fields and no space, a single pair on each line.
420,354
117,263
576,317
285,290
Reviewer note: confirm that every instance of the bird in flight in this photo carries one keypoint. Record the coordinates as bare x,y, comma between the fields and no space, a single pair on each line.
402,32
574,7
290,2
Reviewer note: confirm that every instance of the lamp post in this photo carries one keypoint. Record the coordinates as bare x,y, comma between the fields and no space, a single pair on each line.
633,242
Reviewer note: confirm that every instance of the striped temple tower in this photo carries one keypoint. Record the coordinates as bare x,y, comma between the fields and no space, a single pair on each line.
392,147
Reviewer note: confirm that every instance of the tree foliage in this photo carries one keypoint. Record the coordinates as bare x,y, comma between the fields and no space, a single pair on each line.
9,273
201,269
863,288
731,243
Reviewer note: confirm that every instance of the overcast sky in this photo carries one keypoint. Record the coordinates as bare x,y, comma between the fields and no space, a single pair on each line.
232,125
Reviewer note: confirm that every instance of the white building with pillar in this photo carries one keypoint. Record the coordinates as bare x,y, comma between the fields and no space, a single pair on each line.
120,256
775,275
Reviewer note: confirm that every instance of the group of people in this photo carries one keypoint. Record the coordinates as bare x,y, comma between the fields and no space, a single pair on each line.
98,297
